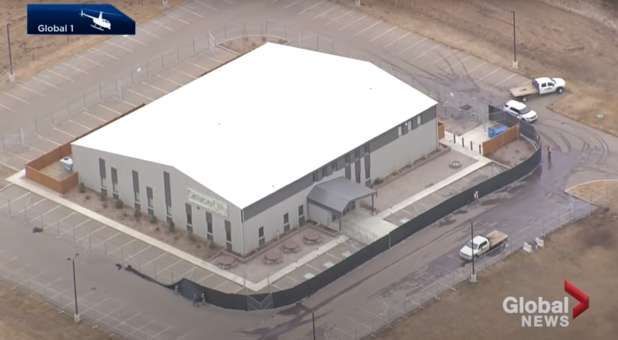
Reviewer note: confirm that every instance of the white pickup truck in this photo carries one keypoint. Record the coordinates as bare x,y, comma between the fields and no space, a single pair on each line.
539,86
482,244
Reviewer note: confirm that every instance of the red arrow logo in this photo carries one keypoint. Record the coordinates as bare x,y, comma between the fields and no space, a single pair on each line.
579,295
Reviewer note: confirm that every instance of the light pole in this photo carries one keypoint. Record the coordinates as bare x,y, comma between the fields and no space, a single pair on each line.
515,63
473,274
72,259
8,41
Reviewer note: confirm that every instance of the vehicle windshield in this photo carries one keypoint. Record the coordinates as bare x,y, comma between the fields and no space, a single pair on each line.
524,110
469,245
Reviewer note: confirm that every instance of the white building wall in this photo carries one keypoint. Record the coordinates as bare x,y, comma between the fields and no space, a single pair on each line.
404,150
151,175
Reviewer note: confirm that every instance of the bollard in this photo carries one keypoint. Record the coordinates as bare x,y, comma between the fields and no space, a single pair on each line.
462,142
471,148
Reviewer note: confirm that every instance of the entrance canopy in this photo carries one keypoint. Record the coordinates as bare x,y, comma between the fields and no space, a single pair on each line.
336,194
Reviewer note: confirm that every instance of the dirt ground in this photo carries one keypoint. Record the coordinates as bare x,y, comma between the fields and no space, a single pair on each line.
584,253
29,317
577,41
33,53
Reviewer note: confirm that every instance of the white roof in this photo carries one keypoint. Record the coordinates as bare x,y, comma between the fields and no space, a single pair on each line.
264,120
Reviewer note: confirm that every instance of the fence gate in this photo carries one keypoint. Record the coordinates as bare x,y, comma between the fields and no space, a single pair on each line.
255,304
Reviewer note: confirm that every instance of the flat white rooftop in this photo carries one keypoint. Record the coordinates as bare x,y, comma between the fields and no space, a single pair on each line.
264,120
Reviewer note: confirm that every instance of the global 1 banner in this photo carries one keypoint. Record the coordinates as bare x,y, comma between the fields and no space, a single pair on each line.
62,19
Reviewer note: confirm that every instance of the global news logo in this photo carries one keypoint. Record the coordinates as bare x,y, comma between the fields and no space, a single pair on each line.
541,312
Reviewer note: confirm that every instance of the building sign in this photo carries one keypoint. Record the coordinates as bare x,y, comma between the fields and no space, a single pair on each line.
207,202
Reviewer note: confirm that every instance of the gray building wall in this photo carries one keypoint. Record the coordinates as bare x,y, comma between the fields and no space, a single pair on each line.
386,153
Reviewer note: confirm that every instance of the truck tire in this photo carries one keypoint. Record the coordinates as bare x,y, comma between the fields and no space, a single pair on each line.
560,90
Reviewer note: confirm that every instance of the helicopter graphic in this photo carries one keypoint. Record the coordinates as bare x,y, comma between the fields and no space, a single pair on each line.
99,22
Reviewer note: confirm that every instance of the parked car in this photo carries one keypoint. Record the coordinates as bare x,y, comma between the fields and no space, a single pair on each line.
520,111
539,87
480,245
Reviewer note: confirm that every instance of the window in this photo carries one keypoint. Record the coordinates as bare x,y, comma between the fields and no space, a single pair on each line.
135,176
418,120
114,183
209,226
103,175
366,149
149,201
228,235
404,128
325,171
301,215
168,195
348,158
261,238
286,222
333,166
189,212
357,170
316,176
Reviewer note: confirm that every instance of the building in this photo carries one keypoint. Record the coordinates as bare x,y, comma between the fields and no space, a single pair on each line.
259,146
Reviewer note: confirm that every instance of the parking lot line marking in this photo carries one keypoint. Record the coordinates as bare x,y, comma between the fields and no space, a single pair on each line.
92,61
489,74
367,28
292,4
101,51
109,109
169,80
8,94
36,149
205,4
171,265
94,116
29,89
359,19
131,104
414,44
186,74
342,15
49,140
91,233
39,79
81,224
425,52
110,42
312,267
80,124
326,12
6,107
67,217
135,40
383,34
71,66
156,335
138,252
154,259
50,210
476,67
62,131
505,79
182,8
98,303
156,22
200,66
20,157
175,17
148,32
155,87
397,39
114,235
319,3
59,74
139,94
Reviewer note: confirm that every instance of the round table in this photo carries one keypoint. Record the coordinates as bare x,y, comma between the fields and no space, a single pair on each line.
225,261
290,246
273,257
311,237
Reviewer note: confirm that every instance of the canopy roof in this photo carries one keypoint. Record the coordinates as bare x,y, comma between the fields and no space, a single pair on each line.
337,193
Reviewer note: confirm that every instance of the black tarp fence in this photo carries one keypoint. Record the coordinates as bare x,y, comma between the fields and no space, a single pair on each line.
198,293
